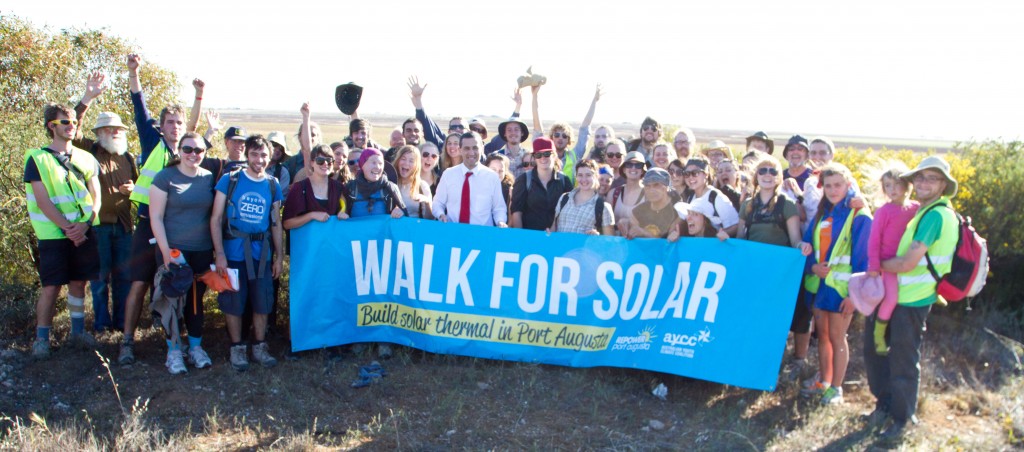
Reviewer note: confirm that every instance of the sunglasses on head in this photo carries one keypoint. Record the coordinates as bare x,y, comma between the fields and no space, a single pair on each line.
767,170
323,160
65,122
192,150
614,155
429,155
633,165
541,154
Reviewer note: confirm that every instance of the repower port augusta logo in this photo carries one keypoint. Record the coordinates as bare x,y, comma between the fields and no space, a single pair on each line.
642,340
682,344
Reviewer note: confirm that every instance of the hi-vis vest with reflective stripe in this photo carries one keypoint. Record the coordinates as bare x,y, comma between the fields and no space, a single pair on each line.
569,169
918,283
154,164
69,194
839,260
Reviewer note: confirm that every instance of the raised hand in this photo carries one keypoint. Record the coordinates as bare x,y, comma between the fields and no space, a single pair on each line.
517,97
304,110
94,87
213,119
597,93
199,85
415,89
134,62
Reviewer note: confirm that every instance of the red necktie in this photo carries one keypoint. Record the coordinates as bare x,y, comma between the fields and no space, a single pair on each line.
464,209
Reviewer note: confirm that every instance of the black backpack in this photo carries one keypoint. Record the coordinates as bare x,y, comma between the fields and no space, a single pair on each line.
778,218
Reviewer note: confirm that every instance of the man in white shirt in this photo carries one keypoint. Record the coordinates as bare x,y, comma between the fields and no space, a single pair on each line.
470,183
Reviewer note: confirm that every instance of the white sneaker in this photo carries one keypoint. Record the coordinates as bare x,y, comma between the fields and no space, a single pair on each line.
261,354
239,360
198,357
175,362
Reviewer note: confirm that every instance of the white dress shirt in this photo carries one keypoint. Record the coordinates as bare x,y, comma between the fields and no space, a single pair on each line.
486,203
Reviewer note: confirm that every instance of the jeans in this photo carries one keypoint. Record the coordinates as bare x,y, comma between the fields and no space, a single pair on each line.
115,246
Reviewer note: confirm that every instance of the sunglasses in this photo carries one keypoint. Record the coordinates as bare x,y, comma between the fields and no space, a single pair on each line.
559,135
633,165
542,155
528,164
693,173
677,172
766,170
65,122
459,127
429,155
353,162
650,127
323,160
614,155
192,150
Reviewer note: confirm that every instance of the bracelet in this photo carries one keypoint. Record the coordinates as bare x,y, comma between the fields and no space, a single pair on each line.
199,98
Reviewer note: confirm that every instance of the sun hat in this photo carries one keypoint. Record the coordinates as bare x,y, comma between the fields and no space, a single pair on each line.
278,137
176,281
866,292
718,145
347,97
657,176
632,155
108,119
479,123
936,163
795,140
759,135
699,205
522,127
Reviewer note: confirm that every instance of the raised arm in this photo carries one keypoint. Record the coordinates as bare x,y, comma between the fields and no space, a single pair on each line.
134,62
197,106
593,107
94,87
584,135
214,123
431,131
538,127
304,138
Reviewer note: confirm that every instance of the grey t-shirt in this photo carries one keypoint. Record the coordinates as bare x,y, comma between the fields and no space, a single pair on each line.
189,202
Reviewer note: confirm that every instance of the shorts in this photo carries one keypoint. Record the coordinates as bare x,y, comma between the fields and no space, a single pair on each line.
61,262
257,293
826,303
802,313
143,260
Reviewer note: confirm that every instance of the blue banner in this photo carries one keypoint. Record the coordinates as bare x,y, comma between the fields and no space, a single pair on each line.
701,308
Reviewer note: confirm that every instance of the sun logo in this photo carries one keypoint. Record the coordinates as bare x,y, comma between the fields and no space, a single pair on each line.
647,333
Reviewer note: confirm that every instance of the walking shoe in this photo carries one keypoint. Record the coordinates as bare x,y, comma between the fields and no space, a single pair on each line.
84,341
832,396
895,433
239,360
175,362
198,357
127,355
808,383
794,369
816,389
261,354
41,349
384,351
876,418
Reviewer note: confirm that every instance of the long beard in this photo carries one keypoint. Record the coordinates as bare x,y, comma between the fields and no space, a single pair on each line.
114,145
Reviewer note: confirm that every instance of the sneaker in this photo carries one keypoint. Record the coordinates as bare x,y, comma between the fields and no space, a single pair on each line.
895,433
384,351
808,383
83,341
175,362
832,396
261,354
794,369
41,349
815,390
239,360
198,357
127,355
876,418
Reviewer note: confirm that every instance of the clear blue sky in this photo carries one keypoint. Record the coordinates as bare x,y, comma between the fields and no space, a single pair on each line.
936,69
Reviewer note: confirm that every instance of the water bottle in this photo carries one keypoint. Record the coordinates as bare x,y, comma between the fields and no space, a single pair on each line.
177,257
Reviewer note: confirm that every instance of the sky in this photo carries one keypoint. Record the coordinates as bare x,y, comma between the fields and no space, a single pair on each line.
934,70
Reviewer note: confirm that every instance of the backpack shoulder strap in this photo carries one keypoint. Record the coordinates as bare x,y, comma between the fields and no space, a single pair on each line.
599,213
529,180
779,213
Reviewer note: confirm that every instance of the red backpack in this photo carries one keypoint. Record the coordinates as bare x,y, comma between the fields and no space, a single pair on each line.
969,269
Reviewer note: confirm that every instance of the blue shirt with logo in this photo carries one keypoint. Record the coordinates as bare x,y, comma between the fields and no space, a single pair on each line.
248,212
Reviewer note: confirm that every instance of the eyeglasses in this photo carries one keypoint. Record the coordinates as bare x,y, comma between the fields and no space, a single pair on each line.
614,155
527,164
323,160
542,155
767,170
560,135
429,155
192,150
919,178
633,165
600,137
650,127
65,122
693,173
677,172
682,142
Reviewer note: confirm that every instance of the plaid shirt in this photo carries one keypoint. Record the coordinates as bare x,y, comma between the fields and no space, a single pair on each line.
579,218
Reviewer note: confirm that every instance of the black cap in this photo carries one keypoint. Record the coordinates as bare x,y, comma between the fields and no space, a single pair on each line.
347,97
235,133
795,140
763,137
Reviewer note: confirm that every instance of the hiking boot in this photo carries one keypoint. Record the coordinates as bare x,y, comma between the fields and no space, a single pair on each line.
84,341
815,390
832,396
261,354
127,355
794,369
41,348
895,433
198,358
876,418
175,362
239,360
384,351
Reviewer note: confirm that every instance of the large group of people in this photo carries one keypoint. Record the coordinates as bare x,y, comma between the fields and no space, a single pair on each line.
230,216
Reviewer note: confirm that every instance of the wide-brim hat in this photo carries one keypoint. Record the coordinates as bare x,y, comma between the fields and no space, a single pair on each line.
700,205
796,140
347,97
108,119
632,155
278,137
759,135
718,145
866,292
938,164
522,126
